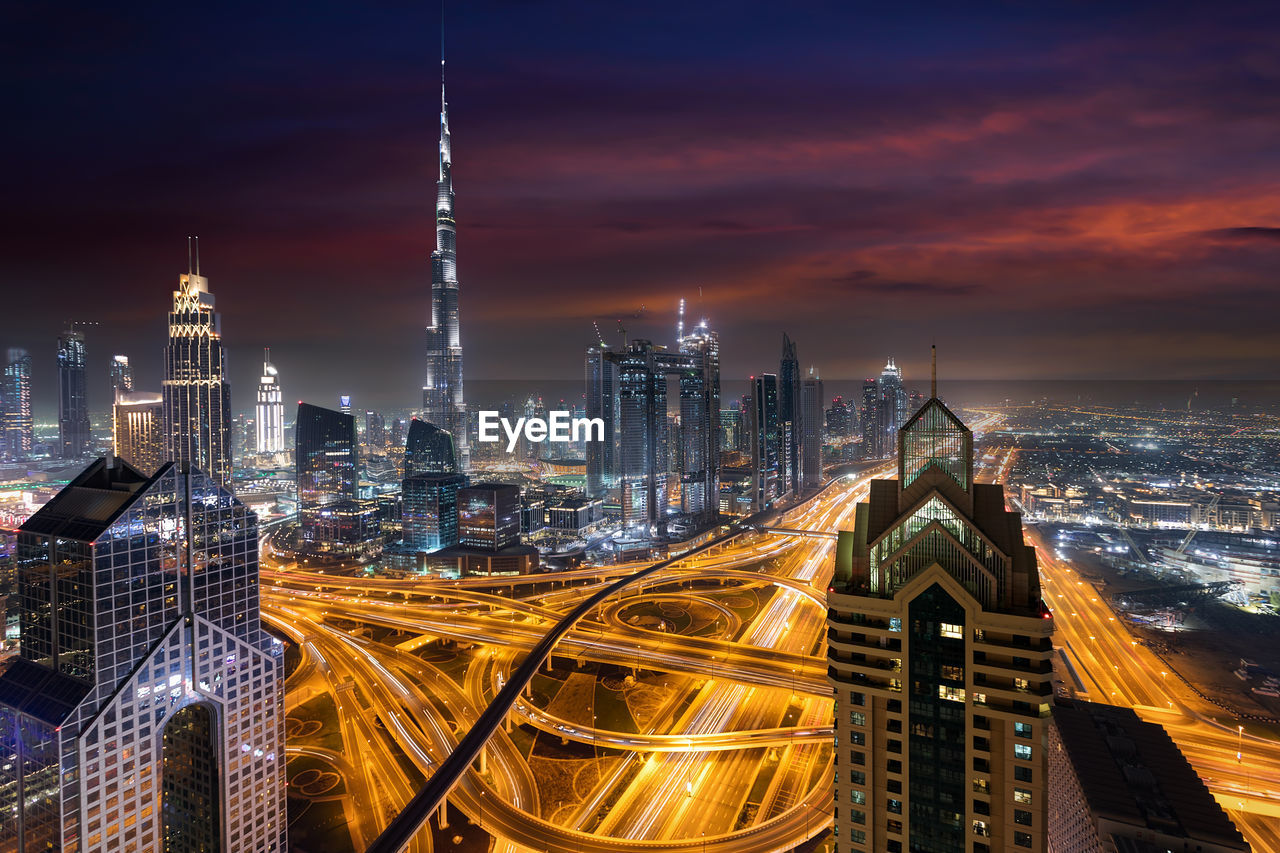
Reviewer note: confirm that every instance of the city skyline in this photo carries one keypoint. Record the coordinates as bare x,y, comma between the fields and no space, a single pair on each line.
1024,173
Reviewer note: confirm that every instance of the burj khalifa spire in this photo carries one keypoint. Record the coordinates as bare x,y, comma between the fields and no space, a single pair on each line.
442,399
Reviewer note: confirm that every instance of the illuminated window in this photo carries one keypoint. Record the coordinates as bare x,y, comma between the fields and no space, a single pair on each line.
1022,750
858,797
979,698
955,632
953,673
1022,795
1022,729
857,718
980,828
952,694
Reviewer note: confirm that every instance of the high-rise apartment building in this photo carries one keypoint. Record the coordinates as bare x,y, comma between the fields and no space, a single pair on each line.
642,460
137,429
443,401
428,450
16,426
939,655
870,419
811,417
602,402
121,374
764,427
146,711
73,396
789,425
197,397
699,445
375,430
269,414
839,418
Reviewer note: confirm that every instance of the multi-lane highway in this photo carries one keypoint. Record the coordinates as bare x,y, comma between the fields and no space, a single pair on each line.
756,703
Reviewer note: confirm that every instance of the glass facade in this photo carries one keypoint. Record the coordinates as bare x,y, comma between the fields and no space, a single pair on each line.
326,461
139,599
948,539
189,783
197,398
936,717
489,516
16,426
430,510
936,438
428,449
73,403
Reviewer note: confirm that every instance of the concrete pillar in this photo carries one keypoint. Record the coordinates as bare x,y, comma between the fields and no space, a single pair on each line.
443,818
484,759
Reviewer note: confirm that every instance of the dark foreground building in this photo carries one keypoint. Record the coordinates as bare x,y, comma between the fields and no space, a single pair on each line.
1117,783
146,711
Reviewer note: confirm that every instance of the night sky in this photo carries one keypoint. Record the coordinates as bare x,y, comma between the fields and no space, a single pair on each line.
1076,190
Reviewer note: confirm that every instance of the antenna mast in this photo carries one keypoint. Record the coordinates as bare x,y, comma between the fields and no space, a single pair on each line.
933,385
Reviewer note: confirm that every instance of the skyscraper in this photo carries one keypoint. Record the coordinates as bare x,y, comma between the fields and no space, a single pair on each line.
73,402
765,426
430,510
375,430
700,423
442,398
325,456
891,409
121,374
137,428
602,402
15,406
269,420
939,655
489,516
789,426
870,419
197,397
811,395
428,450
146,711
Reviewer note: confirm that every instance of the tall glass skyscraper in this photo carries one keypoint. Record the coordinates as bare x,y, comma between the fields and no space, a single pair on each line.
789,424
269,422
146,711
428,450
811,418
326,457
197,397
443,402
766,446
939,652
121,374
699,377
137,429
73,402
17,436
602,402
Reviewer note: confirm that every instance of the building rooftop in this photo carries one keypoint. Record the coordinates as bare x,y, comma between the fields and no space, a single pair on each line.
1133,773
40,692
91,502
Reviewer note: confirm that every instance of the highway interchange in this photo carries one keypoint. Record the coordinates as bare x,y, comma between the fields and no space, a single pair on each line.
747,721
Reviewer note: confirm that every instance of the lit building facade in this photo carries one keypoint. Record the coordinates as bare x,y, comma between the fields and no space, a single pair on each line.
121,374
602,402
764,428
489,516
429,513
443,401
73,397
137,429
197,397
700,439
269,414
789,423
326,457
17,437
146,711
939,655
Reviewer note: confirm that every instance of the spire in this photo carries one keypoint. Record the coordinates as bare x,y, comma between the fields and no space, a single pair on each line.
933,383
197,256
189,267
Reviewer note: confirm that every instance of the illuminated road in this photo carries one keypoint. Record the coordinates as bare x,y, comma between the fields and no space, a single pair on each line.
1117,669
